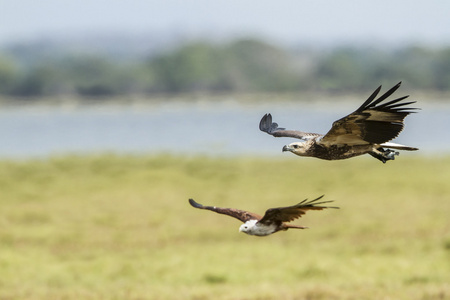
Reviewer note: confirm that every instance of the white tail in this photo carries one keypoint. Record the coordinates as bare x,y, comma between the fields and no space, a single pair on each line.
398,146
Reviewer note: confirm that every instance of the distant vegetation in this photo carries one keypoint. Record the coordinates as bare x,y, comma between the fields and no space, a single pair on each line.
245,65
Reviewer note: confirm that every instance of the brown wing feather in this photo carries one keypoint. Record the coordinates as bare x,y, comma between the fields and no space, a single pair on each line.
290,213
241,215
373,122
266,125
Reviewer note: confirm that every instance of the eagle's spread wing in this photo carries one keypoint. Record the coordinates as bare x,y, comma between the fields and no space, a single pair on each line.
272,128
241,215
373,122
290,213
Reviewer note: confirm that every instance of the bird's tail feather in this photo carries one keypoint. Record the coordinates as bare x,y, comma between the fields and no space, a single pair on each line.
398,146
296,226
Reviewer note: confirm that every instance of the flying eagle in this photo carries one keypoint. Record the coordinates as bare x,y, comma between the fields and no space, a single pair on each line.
367,130
274,219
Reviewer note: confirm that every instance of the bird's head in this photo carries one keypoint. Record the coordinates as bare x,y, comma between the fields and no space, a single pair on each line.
298,148
247,226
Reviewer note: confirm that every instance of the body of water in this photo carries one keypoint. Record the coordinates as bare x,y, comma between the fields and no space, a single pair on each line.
222,128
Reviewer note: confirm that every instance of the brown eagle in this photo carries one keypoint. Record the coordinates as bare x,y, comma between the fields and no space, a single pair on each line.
367,130
273,220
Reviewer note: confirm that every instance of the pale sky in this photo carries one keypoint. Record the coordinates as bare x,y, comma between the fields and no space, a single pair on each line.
290,21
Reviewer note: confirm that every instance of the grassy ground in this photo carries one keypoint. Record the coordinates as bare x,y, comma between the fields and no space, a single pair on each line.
120,227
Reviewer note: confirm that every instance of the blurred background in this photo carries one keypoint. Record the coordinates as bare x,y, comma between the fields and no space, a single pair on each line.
196,76
94,94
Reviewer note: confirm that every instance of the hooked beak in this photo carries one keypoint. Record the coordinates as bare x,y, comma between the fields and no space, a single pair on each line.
286,148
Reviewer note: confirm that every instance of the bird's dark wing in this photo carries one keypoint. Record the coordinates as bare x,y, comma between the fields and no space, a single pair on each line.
290,213
374,121
241,215
272,128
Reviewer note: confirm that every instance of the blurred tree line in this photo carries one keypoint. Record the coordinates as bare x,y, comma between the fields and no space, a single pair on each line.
246,65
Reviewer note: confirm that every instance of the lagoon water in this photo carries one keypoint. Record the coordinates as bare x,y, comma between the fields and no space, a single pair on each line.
211,128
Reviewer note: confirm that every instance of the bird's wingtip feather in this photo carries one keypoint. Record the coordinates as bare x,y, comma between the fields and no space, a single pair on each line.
195,204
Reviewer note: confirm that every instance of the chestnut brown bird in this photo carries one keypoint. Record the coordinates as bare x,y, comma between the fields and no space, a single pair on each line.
274,220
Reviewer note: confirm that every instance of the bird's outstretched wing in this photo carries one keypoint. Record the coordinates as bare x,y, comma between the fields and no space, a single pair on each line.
290,213
374,121
272,128
241,215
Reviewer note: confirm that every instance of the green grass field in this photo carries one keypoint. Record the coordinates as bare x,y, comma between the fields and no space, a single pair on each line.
120,227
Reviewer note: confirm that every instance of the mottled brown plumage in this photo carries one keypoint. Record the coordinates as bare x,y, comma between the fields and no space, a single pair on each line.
367,130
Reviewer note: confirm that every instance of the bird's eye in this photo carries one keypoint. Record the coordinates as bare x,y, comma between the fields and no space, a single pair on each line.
295,146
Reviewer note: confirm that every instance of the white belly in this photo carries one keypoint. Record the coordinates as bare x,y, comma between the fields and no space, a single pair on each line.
262,230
